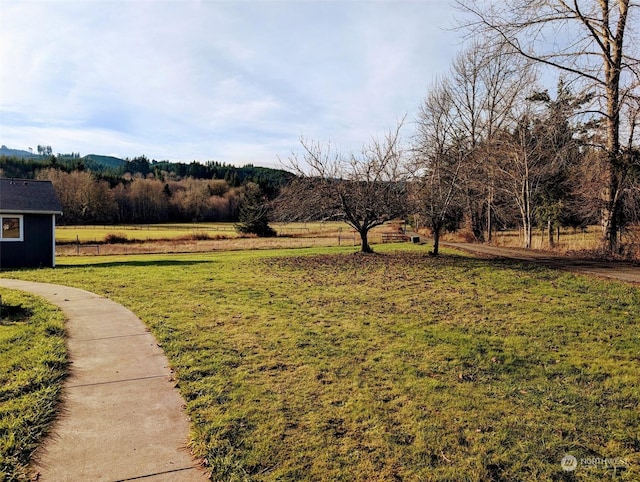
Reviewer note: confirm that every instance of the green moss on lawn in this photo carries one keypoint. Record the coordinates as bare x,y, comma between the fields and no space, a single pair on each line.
325,365
33,362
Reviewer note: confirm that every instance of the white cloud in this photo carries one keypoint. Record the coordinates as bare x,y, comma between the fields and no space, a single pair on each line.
230,81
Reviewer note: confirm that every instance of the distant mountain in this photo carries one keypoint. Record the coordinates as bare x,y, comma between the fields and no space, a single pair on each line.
5,151
95,159
105,161
19,163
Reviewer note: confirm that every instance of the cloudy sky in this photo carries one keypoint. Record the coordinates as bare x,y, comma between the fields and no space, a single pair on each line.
230,81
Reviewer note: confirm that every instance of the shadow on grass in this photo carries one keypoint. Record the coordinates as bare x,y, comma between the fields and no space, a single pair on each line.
448,258
537,264
136,263
112,264
444,258
14,313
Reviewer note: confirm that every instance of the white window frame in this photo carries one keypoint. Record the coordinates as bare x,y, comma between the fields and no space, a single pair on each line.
10,240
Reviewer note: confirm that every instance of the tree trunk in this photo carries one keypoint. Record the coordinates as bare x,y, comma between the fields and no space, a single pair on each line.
550,230
528,236
525,211
436,238
610,201
526,227
478,230
490,215
612,70
364,241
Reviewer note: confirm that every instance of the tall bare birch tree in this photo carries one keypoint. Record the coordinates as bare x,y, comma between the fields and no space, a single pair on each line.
439,158
522,167
486,81
587,39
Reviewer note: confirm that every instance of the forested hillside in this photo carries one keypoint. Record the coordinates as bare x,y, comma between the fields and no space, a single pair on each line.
102,189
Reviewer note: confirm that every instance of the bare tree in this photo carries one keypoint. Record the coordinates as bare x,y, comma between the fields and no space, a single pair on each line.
439,158
558,131
590,42
84,199
631,155
486,81
148,200
531,158
454,156
520,166
364,190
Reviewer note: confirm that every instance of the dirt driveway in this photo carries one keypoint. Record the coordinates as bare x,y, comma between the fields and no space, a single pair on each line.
619,270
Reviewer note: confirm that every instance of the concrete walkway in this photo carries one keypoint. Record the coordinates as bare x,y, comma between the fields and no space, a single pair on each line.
121,416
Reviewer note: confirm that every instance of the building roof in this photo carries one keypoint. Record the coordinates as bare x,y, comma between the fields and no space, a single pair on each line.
26,196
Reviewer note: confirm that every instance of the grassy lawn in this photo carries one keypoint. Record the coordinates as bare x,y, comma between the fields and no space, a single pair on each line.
320,364
32,367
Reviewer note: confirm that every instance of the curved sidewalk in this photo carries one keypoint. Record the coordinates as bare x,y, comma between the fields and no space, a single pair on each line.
121,416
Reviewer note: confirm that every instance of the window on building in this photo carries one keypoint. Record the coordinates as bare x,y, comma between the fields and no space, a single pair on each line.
11,228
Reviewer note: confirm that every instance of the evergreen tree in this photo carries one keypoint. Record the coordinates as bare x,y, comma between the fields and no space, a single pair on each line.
254,212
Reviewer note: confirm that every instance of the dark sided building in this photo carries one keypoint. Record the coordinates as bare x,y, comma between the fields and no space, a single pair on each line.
28,212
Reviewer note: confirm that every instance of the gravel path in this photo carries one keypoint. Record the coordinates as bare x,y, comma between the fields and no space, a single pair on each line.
618,270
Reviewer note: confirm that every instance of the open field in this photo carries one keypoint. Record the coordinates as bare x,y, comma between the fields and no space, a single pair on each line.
207,237
168,231
321,364
204,237
191,238
32,366
570,239
143,232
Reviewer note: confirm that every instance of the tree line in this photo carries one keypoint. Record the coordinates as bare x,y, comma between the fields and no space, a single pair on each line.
269,179
148,191
114,170
88,200
491,149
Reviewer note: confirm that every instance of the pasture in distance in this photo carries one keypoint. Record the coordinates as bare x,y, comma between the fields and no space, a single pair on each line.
168,231
218,236
195,237
320,364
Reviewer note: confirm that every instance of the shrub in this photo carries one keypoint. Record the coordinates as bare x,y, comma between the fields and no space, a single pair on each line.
114,238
